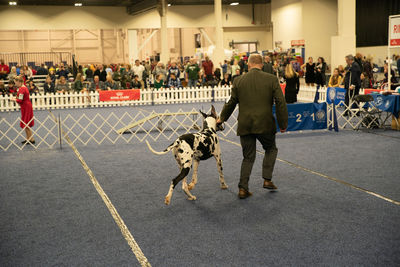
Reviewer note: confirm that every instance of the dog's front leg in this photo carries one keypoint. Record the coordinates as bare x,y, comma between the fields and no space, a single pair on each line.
220,171
194,176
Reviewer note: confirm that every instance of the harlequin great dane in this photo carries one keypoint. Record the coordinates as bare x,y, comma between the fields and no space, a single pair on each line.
194,147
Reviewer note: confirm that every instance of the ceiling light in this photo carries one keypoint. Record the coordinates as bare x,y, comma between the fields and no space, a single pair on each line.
78,4
12,3
234,4
169,4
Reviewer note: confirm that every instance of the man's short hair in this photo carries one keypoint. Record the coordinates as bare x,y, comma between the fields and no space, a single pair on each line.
350,57
255,59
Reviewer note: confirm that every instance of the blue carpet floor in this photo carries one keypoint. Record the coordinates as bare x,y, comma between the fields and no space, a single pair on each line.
53,215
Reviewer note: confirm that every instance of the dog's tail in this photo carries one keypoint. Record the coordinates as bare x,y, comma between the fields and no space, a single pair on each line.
162,152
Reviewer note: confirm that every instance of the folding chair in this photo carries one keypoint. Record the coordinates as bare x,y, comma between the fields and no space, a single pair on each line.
370,116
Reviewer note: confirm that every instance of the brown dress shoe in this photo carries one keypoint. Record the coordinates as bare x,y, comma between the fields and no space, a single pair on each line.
269,185
244,193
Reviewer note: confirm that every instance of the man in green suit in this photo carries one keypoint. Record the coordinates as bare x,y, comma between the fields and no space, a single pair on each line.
256,92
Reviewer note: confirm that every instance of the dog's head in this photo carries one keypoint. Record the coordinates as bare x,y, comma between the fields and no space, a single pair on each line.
210,120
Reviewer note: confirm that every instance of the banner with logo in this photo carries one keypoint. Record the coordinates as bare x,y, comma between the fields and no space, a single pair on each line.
306,116
119,95
335,95
389,103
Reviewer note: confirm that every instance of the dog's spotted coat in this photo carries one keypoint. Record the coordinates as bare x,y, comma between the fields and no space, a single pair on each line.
190,149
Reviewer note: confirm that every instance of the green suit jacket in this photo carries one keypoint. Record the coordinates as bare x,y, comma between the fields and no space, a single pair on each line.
256,92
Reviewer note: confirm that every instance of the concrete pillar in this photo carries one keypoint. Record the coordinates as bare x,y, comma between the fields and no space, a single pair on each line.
219,54
132,46
345,42
164,56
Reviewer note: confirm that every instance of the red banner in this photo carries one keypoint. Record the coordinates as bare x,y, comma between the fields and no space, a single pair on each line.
283,86
119,95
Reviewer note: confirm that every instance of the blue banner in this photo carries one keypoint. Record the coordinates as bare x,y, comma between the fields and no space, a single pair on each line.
389,103
306,116
335,95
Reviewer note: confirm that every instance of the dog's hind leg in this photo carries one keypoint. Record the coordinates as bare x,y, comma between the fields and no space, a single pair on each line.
194,176
185,188
184,172
220,171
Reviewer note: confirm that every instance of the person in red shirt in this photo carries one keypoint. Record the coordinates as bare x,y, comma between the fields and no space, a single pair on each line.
208,67
4,70
23,100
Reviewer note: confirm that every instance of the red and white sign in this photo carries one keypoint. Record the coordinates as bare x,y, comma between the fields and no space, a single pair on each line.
394,31
119,95
298,42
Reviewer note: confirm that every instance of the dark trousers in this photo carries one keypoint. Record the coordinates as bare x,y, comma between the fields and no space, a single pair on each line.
248,143
350,94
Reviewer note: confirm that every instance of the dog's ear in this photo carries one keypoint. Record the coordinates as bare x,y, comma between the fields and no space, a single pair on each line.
213,112
202,113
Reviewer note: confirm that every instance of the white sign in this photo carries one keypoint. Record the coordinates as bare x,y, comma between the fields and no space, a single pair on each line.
394,31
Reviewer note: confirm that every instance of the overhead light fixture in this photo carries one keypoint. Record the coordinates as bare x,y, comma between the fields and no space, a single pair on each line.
234,4
78,4
169,5
12,3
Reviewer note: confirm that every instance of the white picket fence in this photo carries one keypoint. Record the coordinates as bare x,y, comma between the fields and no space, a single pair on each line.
147,97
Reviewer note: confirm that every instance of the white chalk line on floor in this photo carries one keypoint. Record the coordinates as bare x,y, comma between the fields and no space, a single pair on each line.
111,208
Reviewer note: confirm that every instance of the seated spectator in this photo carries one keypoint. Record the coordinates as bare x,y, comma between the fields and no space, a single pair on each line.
136,83
117,74
126,81
26,72
62,72
32,87
3,90
96,85
109,70
110,84
11,88
237,74
52,75
365,81
226,81
101,73
217,74
13,73
62,85
336,79
173,82
78,84
49,86
4,69
159,82
292,84
42,70
33,70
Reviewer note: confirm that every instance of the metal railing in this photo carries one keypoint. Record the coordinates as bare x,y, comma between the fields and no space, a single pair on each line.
36,58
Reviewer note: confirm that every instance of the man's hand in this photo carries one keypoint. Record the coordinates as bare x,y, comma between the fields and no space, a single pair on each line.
283,130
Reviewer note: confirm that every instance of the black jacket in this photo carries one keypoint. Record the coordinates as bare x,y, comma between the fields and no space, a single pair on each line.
355,73
292,89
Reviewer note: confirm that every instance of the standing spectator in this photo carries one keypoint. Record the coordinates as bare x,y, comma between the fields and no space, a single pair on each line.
368,69
267,66
393,79
117,74
42,70
336,79
62,85
174,82
62,72
309,71
320,70
365,81
48,86
96,85
359,60
4,69
173,69
138,69
235,67
241,63
13,73
192,72
237,74
110,84
292,84
224,67
217,75
78,84
341,70
3,90
226,81
136,83
160,69
23,100
256,92
352,81
208,67
52,75
33,89
109,70
101,73
89,74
